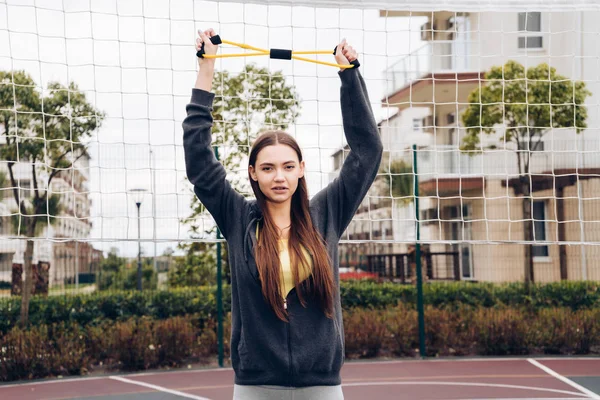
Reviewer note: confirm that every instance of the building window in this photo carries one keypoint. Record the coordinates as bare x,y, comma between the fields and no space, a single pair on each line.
530,26
539,228
376,233
417,124
451,118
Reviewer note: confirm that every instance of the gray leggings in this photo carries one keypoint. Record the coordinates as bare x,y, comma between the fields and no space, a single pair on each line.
260,392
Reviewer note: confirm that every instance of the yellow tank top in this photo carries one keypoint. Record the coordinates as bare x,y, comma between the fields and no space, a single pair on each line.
287,277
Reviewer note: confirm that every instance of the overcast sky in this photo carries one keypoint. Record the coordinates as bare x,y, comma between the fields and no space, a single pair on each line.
135,61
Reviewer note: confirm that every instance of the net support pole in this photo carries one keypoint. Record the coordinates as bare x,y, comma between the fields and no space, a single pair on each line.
153,171
76,265
219,291
420,310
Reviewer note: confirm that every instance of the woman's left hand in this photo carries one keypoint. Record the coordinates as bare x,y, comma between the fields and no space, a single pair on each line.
345,54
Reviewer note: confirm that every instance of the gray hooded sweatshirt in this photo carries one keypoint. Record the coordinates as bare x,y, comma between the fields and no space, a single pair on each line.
309,350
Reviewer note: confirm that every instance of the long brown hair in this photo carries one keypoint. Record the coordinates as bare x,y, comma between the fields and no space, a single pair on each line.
302,233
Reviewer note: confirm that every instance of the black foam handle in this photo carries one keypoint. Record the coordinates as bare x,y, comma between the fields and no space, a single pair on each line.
214,40
280,54
355,62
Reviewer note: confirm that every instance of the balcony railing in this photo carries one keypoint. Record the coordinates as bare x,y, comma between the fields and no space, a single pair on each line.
449,161
435,56
401,267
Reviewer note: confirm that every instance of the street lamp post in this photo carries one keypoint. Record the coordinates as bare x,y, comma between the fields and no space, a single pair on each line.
138,196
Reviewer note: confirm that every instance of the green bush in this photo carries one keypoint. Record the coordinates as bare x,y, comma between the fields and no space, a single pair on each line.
133,345
114,306
470,331
504,332
25,354
402,331
175,339
197,268
84,309
126,279
573,295
43,351
363,342
566,332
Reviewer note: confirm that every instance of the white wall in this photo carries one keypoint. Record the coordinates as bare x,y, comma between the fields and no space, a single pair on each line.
397,133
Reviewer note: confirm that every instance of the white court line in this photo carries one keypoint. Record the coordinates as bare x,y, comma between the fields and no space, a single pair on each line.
439,383
569,382
94,378
186,371
464,360
59,380
582,358
158,388
532,398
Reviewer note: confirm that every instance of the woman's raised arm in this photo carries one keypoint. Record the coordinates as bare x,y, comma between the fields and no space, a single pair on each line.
204,171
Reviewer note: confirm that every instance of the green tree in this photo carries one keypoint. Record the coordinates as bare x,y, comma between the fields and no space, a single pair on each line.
399,180
3,184
245,104
521,106
112,263
4,192
116,274
197,268
47,133
109,269
127,278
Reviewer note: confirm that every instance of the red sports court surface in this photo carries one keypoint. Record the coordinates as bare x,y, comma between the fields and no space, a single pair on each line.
526,378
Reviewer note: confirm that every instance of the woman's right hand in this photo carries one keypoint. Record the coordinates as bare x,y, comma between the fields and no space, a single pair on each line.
209,48
206,65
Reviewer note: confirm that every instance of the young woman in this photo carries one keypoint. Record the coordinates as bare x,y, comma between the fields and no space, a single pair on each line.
287,337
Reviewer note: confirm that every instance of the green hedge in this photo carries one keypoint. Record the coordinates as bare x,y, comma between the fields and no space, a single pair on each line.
570,294
94,308
121,305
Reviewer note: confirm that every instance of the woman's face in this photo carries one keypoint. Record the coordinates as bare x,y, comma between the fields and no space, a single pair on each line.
277,171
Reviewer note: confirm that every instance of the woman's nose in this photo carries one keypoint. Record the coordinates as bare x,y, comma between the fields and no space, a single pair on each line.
279,175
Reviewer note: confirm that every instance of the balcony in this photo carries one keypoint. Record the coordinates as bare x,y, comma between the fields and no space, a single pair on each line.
433,57
449,161
561,157
441,61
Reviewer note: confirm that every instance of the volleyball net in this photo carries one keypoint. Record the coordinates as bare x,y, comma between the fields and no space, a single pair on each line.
488,113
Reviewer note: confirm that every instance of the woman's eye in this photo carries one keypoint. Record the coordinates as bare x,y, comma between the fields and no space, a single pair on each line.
266,168
290,167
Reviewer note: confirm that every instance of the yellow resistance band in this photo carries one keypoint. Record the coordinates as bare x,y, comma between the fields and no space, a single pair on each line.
280,54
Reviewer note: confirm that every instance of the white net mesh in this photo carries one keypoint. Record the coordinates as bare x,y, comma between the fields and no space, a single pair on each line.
133,66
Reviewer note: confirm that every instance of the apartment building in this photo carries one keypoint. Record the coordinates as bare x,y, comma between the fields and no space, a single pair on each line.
470,207
62,244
